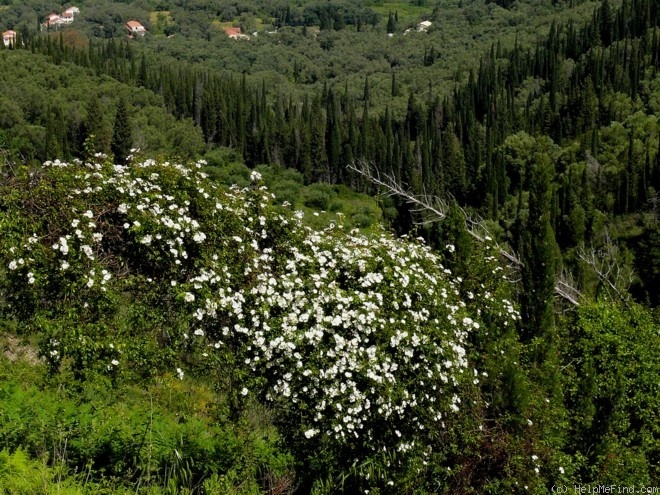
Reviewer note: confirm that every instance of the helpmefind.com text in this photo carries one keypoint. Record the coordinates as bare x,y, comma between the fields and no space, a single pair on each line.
612,489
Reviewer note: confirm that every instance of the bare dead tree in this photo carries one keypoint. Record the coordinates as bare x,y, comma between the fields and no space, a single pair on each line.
433,209
565,287
606,264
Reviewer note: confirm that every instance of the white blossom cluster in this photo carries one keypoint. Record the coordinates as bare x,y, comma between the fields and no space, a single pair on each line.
361,337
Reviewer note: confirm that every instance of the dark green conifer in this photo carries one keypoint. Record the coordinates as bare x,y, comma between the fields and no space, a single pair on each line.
606,26
391,26
395,86
122,136
539,254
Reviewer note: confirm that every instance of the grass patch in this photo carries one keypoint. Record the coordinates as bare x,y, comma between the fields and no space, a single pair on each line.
160,16
160,19
407,12
216,23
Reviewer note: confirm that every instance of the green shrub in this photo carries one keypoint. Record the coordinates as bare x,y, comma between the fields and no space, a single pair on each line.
318,196
611,381
128,437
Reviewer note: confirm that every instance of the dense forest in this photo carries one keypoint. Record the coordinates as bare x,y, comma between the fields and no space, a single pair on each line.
528,175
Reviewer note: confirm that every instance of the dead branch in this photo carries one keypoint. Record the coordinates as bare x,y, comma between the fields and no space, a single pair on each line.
428,204
435,209
605,263
565,287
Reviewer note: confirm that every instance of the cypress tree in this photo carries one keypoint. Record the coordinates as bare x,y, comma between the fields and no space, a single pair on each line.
363,142
606,23
453,163
352,131
122,139
333,139
143,73
391,26
209,116
325,21
395,86
438,184
92,128
414,118
339,23
319,155
539,255
389,142
53,142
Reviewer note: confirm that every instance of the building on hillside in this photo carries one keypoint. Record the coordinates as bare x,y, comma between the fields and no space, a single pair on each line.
423,26
235,33
52,21
56,21
134,28
67,17
9,37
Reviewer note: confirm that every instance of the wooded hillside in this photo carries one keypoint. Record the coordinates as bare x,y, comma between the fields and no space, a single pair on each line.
453,287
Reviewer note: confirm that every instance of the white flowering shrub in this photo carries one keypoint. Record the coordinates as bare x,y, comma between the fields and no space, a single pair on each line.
357,343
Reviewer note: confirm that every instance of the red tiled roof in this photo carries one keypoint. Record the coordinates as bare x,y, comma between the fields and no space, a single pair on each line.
232,31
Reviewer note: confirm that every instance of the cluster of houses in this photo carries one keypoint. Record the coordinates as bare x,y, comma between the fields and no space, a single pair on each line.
134,28
56,21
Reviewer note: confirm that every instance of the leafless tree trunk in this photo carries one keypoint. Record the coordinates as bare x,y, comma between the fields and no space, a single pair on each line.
605,263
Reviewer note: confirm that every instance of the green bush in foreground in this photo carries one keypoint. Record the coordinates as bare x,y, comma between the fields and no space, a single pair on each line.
160,436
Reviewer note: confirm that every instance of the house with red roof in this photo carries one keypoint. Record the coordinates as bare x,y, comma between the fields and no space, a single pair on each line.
52,21
134,28
9,37
56,21
67,17
235,33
